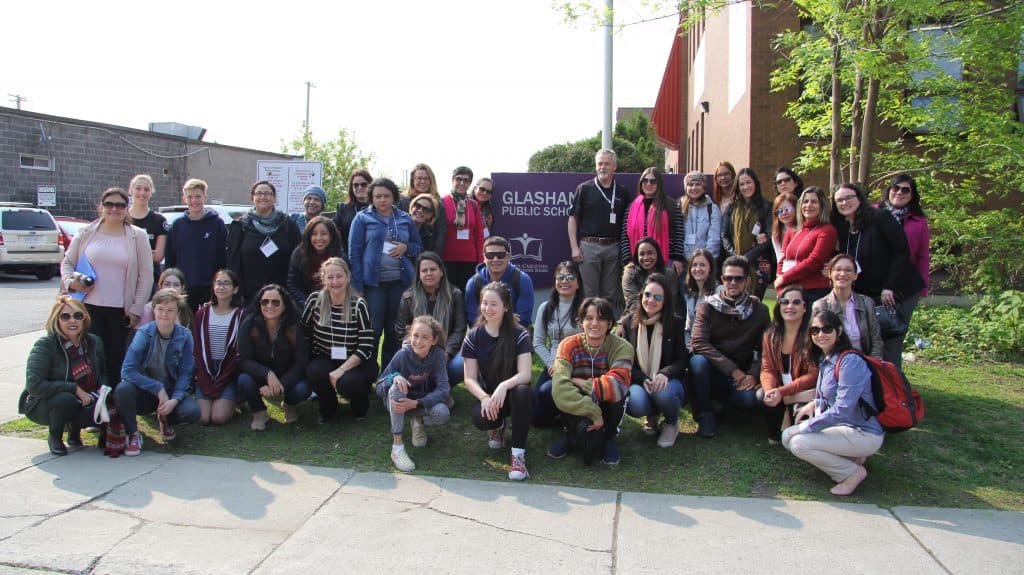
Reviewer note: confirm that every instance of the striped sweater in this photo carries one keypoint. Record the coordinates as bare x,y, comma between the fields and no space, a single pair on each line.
608,371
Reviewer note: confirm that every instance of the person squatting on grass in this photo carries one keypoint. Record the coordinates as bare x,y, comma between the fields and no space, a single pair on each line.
157,371
497,364
215,346
415,382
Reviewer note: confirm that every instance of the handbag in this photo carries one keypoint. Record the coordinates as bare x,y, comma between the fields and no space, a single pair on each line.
890,322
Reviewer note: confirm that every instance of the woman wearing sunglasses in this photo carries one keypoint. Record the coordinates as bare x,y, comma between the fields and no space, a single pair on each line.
556,320
787,372
835,433
660,360
109,266
358,199
423,209
857,311
272,356
65,370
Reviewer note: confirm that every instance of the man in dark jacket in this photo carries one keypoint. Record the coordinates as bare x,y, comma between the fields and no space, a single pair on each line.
197,244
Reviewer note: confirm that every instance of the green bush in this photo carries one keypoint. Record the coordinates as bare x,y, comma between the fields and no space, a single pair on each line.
990,330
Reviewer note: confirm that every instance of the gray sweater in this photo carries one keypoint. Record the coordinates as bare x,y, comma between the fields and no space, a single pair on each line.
428,377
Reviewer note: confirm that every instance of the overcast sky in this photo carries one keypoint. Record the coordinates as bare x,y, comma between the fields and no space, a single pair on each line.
475,82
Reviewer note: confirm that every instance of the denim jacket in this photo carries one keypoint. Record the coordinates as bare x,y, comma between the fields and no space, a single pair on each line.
366,244
179,361
838,399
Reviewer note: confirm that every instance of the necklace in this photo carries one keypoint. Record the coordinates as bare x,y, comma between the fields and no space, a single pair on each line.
592,350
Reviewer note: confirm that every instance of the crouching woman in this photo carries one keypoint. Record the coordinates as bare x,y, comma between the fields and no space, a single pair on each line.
157,371
840,432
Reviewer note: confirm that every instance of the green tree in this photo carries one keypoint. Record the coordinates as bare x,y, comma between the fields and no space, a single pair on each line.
633,140
340,157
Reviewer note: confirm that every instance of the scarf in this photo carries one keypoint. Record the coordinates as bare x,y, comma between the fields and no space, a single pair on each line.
648,353
742,308
640,224
460,209
81,371
899,213
267,225
744,217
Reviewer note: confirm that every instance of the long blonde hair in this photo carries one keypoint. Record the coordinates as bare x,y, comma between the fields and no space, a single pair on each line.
323,297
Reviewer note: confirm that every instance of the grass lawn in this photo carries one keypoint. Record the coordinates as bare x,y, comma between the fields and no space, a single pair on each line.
968,451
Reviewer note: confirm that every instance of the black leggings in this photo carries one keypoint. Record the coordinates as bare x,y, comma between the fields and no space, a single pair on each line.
591,443
354,386
59,410
518,404
110,324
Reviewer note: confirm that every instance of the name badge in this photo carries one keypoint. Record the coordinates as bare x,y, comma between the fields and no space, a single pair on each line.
388,246
788,265
611,218
462,234
787,379
757,229
268,248
487,233
339,352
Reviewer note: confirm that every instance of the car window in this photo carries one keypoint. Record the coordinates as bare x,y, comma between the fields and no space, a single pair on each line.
26,220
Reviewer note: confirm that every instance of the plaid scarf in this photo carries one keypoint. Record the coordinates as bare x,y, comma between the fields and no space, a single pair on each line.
82,372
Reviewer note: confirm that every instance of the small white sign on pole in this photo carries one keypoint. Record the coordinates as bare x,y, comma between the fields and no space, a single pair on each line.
290,178
46,196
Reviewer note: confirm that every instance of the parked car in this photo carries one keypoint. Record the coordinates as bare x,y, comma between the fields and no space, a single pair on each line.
227,212
69,227
30,241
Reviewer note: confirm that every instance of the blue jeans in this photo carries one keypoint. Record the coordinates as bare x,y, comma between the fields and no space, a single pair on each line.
456,373
709,383
668,401
384,301
250,390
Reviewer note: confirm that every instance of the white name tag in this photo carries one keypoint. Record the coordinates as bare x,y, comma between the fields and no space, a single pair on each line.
268,248
388,246
487,233
611,218
339,352
757,229
462,234
788,265
787,379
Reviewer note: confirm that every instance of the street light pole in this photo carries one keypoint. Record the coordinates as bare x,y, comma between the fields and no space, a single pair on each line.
308,86
606,133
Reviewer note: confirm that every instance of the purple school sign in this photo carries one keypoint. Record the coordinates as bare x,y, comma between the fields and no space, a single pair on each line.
531,211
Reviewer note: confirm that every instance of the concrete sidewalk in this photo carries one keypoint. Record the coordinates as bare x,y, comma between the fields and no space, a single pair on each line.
191,514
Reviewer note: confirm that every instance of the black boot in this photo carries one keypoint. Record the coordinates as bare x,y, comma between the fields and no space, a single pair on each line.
56,444
74,436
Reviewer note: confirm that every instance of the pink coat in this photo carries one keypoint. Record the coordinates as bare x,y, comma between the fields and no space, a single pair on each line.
919,239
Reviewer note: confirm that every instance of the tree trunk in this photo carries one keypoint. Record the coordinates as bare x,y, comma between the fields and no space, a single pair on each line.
868,132
855,119
835,174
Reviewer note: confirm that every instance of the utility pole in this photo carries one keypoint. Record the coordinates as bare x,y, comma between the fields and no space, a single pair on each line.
17,99
606,133
308,86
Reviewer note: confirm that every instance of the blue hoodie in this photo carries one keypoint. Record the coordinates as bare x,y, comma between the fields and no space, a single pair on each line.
197,247
522,302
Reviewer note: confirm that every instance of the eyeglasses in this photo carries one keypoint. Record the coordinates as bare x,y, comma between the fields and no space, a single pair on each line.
733,279
845,199
903,190
723,176
270,303
495,255
223,283
783,211
115,205
360,184
649,181
781,181
263,193
462,179
77,316
565,277
654,296
787,301
422,208
825,329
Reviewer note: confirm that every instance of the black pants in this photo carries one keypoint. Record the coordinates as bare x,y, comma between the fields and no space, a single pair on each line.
519,405
460,272
197,296
591,443
355,385
59,410
110,324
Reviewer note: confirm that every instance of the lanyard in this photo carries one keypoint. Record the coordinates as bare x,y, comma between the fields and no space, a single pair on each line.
611,202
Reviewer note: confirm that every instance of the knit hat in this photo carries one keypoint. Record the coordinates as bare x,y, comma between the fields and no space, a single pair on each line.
318,192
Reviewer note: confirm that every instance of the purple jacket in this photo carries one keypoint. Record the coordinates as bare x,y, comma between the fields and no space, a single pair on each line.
919,237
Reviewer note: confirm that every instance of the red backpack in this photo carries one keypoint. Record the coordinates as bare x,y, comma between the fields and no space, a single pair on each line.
899,406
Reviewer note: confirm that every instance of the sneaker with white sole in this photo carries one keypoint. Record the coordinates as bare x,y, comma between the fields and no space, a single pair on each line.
402,460
419,432
496,437
134,446
518,471
669,433
167,430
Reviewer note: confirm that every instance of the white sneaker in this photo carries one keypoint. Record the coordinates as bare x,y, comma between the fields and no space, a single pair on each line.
496,438
402,460
518,471
419,432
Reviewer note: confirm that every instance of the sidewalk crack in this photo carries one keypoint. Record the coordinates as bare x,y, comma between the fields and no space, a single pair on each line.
615,532
517,532
919,542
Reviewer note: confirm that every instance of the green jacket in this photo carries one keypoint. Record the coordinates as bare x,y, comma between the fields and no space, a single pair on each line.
611,381
48,373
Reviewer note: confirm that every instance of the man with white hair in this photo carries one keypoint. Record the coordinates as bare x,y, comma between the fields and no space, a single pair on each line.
595,221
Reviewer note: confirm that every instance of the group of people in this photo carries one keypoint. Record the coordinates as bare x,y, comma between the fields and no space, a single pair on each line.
279,306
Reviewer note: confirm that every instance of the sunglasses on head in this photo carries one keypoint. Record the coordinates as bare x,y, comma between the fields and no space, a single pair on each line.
825,329
654,296
270,302
78,316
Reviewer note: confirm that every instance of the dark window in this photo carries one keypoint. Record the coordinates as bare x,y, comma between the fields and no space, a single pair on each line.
22,220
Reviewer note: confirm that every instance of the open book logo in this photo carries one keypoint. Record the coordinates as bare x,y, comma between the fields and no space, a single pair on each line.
526,247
